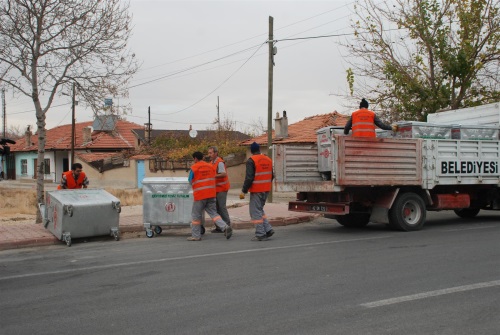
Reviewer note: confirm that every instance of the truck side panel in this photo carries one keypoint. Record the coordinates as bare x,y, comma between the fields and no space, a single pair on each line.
377,161
452,162
482,115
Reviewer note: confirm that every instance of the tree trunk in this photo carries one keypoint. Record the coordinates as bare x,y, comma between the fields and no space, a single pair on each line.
40,199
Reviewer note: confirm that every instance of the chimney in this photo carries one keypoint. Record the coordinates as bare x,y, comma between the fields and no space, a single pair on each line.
87,134
147,133
27,136
281,125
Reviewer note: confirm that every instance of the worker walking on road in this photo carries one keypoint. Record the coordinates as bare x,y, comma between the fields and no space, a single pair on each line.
202,179
363,122
221,186
74,179
259,175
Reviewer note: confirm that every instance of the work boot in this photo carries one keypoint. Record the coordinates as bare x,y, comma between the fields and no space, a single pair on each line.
228,232
270,233
259,238
216,230
191,238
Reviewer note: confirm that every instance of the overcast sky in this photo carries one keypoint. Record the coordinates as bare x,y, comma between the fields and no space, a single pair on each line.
195,51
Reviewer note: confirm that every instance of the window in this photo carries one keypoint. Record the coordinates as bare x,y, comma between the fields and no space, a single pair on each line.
46,166
24,166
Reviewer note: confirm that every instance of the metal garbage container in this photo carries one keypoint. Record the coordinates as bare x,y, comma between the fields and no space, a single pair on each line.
167,201
81,213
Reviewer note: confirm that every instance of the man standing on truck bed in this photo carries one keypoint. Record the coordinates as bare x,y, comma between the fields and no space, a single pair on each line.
258,178
363,122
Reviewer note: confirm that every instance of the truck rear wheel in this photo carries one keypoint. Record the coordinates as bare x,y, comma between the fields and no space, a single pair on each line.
353,220
467,213
407,213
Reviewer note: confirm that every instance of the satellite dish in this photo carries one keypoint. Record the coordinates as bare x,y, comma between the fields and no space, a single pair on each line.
193,133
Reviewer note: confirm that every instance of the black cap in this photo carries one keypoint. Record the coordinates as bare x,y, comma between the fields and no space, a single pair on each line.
363,104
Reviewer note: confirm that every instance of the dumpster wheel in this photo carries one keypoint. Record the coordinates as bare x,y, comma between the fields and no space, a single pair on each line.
202,230
116,234
149,233
67,239
158,230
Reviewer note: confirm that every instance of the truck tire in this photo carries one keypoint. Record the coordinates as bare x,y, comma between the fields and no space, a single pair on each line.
353,220
407,213
467,213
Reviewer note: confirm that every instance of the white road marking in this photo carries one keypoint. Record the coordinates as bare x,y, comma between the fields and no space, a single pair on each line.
110,266
472,228
430,294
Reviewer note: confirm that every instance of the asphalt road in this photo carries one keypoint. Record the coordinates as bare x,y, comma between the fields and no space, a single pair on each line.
314,278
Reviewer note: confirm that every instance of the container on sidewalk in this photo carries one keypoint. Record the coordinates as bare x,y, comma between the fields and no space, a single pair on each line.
81,213
167,201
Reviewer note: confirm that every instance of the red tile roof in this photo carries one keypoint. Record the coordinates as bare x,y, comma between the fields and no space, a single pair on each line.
59,138
97,156
304,131
141,157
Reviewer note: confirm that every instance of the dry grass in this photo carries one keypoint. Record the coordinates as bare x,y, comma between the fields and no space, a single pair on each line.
19,201
128,197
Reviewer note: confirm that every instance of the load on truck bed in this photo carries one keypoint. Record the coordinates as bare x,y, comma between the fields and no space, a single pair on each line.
388,179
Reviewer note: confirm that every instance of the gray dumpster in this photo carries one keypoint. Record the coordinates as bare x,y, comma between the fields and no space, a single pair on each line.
167,201
81,213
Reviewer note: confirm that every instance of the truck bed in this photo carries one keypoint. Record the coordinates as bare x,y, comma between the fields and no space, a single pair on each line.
357,162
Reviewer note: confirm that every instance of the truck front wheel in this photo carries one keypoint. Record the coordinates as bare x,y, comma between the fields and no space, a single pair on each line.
408,212
353,220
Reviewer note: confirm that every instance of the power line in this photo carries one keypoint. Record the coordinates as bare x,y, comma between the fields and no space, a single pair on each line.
177,122
34,110
223,82
192,67
324,36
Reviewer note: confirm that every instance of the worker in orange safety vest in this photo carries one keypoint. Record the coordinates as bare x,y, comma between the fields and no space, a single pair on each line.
221,185
74,179
258,179
363,122
202,179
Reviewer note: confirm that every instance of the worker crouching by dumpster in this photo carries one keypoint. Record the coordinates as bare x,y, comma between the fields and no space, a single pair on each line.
74,179
202,179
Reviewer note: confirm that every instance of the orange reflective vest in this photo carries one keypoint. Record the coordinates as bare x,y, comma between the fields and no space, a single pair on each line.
263,174
221,183
363,123
203,181
71,183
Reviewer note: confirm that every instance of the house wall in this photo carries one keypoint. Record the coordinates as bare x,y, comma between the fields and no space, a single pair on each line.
30,158
120,178
236,174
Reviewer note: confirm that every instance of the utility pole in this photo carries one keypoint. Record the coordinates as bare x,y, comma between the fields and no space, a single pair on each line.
4,114
147,128
73,103
270,97
218,116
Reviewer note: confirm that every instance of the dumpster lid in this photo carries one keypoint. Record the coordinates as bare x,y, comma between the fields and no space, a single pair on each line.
164,180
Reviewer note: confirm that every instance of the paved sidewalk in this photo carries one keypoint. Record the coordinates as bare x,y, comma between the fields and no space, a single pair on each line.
32,234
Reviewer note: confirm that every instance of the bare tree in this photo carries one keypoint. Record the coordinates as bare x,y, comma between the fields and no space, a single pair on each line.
415,57
46,46
14,132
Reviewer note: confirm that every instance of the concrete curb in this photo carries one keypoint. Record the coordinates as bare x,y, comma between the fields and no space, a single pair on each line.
136,228
27,243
